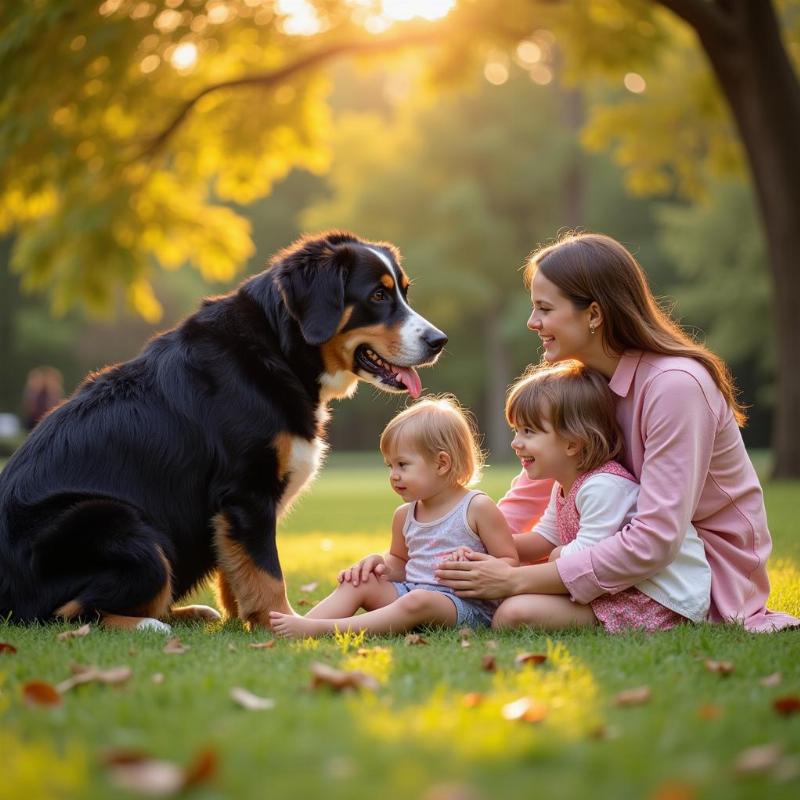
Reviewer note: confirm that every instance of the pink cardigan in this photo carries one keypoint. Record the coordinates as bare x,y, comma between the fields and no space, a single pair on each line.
683,445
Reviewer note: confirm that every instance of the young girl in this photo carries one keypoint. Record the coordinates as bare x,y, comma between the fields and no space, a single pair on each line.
432,455
565,429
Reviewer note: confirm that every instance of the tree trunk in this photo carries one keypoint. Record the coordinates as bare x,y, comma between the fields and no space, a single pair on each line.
752,66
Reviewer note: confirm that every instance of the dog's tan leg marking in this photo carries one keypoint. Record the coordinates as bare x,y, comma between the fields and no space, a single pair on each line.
131,623
225,597
256,592
283,450
69,610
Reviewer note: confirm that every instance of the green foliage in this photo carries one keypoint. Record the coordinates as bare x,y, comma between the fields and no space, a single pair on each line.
93,194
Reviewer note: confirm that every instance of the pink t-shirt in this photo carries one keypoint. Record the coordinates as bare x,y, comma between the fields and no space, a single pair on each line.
685,449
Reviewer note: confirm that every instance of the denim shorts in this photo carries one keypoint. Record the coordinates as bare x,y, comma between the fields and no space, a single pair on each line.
472,613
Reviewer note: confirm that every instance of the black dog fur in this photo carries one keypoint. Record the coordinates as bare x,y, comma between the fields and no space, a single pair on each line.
160,470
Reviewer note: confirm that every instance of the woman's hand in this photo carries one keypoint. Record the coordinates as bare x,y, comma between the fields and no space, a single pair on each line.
481,576
360,572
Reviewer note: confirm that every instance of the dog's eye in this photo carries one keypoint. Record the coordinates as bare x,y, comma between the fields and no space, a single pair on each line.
379,296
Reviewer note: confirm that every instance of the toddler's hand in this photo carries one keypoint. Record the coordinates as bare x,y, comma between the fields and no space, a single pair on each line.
459,554
360,572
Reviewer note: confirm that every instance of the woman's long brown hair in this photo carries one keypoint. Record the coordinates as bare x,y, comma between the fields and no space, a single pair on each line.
591,267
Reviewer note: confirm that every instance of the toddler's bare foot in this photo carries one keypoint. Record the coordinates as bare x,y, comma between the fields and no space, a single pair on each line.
293,626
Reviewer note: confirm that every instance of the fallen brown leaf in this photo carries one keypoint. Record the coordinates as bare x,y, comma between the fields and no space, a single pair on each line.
136,771
415,638
708,711
83,674
5,647
524,709
530,658
633,697
772,680
303,602
787,705
472,699
40,693
674,790
491,644
465,633
465,643
489,662
309,587
758,759
175,647
340,680
201,769
263,645
720,667
251,701
75,633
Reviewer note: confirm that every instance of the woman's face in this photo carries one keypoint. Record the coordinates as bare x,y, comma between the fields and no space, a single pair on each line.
562,328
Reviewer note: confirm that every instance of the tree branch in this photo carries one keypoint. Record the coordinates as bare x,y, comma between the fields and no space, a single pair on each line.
304,62
707,17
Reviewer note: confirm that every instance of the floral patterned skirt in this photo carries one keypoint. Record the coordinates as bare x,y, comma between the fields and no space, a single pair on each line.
633,609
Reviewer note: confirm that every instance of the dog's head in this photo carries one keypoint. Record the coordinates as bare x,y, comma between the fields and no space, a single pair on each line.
350,299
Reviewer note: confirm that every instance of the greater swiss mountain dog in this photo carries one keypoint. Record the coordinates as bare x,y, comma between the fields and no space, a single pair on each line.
164,469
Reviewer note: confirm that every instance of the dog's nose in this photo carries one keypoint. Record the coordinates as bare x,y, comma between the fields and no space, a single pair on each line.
435,339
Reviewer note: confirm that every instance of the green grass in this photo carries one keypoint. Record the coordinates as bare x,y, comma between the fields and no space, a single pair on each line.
415,737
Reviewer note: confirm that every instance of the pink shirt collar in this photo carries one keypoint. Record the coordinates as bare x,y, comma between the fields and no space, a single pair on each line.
622,379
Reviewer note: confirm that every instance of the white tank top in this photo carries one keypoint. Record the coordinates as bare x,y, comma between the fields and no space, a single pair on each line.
429,542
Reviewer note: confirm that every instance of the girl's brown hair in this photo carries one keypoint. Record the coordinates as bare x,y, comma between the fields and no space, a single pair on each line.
591,267
577,403
434,425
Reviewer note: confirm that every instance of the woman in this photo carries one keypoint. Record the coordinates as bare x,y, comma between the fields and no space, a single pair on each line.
677,407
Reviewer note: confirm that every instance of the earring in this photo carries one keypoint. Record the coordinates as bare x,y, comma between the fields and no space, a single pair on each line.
591,329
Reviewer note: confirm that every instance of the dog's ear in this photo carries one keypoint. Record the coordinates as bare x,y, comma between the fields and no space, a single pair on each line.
311,282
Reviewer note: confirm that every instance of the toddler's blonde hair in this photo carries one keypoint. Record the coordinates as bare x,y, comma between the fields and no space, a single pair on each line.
577,402
434,425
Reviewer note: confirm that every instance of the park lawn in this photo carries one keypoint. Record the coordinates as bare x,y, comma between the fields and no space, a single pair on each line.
435,727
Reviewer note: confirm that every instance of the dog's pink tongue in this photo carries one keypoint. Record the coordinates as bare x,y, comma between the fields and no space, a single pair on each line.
409,378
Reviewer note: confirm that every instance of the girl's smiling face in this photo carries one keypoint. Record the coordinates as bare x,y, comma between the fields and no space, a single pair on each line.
544,453
563,328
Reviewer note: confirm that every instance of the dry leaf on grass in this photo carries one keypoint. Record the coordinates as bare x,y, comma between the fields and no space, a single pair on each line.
708,711
465,633
524,709
75,633
415,638
465,644
5,647
40,693
309,587
137,772
250,701
633,697
263,645
157,679
340,680
720,667
83,674
530,658
672,789
787,705
489,662
472,699
175,647
758,759
771,680
303,602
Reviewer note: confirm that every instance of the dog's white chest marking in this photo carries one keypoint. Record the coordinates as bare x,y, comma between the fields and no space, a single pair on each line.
305,459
